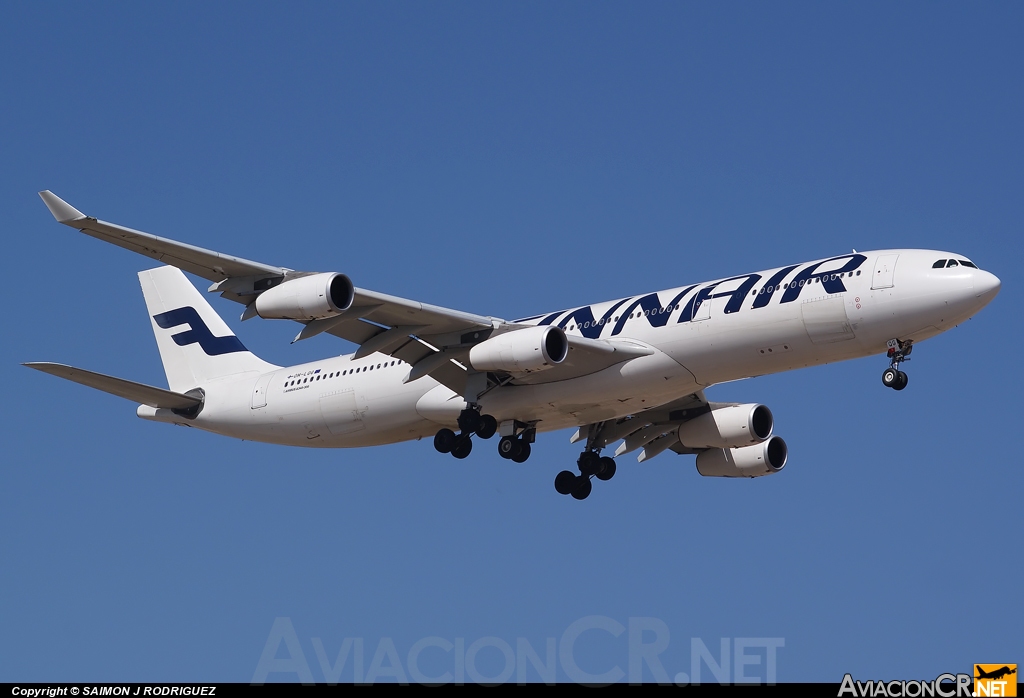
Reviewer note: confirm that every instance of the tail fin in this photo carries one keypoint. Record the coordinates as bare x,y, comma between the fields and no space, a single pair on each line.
195,343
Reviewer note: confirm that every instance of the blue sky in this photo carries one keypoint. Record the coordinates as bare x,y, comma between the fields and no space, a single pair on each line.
507,159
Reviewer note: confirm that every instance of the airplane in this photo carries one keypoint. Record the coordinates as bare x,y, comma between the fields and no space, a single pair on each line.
632,370
995,674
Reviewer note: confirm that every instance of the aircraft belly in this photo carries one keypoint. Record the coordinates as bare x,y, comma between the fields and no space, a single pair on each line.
616,391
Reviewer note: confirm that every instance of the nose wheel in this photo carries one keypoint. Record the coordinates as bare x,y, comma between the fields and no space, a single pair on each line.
898,352
892,378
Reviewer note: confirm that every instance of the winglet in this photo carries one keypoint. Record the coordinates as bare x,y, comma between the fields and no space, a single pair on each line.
61,209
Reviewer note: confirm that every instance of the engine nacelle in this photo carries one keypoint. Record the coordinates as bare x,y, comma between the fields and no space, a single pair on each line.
750,461
307,298
521,351
733,426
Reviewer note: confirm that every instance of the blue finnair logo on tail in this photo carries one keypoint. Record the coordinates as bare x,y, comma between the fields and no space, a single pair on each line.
198,333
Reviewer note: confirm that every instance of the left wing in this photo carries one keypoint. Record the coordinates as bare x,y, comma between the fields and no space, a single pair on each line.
435,341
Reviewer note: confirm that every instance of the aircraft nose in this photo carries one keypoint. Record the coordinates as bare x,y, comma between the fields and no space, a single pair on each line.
986,285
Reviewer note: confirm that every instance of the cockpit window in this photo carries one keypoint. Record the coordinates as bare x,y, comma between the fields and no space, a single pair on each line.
939,264
951,263
965,263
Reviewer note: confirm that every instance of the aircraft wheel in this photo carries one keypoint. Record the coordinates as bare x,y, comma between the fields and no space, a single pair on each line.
488,425
463,446
606,469
469,421
588,462
444,440
581,488
524,453
564,482
509,446
890,377
901,381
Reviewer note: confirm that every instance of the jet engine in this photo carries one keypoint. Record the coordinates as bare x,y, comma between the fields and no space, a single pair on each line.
750,461
307,298
521,351
731,426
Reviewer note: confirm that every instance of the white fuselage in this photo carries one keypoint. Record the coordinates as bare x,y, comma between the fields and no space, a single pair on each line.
755,324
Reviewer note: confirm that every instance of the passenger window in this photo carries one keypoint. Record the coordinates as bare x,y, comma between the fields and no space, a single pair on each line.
951,263
939,264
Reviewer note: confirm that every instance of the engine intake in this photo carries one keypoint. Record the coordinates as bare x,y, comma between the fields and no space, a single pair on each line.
750,461
730,426
307,298
521,351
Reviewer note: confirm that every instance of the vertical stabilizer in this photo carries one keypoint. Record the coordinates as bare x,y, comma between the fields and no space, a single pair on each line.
195,344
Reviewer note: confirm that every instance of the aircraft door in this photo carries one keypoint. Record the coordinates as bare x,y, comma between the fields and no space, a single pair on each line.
259,393
703,311
885,268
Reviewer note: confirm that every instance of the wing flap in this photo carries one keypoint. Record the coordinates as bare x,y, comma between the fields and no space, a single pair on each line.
130,390
653,430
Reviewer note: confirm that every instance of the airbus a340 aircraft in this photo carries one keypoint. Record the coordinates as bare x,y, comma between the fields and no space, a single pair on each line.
630,370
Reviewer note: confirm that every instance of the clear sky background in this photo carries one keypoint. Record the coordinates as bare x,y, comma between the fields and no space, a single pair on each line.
507,159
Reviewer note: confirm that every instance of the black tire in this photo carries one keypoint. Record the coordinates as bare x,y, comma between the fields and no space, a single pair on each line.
469,421
488,425
463,446
509,446
890,377
444,440
588,462
606,469
902,381
564,482
581,488
524,453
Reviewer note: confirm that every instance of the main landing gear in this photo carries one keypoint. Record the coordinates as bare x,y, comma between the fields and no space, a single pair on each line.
470,422
516,446
590,463
898,352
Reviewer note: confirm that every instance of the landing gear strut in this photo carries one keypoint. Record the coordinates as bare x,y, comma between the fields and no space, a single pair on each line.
899,351
590,463
470,422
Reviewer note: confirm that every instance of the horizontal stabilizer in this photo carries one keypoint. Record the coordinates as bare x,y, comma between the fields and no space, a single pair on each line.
130,390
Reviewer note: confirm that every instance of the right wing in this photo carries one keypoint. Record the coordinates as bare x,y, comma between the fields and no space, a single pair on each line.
654,430
130,390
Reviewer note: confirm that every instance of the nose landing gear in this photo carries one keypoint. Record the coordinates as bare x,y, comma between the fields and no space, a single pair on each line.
899,351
